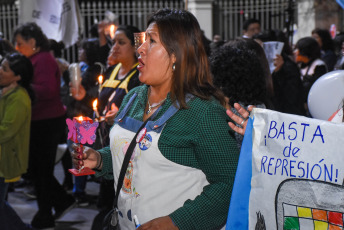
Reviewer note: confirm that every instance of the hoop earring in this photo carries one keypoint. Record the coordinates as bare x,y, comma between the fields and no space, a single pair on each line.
173,67
34,48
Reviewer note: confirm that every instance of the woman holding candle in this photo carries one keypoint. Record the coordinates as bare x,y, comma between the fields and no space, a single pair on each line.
182,169
120,77
47,125
16,94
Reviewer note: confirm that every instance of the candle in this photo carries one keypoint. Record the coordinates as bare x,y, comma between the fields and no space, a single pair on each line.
112,31
100,79
100,82
95,109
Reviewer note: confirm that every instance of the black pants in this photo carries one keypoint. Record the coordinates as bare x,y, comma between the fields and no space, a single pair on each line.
45,136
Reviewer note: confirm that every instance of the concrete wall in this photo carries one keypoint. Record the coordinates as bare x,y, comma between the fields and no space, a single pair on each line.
202,9
305,18
317,14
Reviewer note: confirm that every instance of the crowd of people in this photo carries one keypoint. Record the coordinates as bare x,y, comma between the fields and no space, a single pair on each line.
174,113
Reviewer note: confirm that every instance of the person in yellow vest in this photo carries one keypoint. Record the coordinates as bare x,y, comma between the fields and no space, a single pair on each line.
16,74
120,77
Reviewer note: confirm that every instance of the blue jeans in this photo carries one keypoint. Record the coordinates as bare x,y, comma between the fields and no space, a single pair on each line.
9,219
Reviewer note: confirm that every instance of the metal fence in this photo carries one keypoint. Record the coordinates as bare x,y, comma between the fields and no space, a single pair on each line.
130,12
8,20
228,15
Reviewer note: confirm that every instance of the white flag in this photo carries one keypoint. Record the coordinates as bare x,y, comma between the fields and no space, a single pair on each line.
59,19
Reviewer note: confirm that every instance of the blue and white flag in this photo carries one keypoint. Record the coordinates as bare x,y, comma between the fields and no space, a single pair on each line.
290,174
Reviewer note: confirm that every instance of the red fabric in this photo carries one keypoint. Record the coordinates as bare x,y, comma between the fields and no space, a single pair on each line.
46,85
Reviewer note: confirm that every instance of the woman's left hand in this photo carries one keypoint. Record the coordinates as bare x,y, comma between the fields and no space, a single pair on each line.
111,114
242,121
161,223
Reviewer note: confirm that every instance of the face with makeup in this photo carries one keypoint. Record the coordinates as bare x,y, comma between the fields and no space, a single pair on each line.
155,64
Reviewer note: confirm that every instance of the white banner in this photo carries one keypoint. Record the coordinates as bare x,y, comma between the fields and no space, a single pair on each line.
59,19
293,170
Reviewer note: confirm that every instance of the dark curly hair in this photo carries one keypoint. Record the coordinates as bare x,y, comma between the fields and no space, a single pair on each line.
237,71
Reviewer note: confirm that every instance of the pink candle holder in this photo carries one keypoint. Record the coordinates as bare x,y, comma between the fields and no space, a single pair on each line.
82,130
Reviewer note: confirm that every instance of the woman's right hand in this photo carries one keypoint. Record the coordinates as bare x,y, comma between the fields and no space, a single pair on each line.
89,158
278,62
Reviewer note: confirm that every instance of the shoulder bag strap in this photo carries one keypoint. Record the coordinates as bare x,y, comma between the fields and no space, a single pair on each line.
125,164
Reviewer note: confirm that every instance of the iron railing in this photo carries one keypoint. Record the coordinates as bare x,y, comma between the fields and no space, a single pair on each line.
228,15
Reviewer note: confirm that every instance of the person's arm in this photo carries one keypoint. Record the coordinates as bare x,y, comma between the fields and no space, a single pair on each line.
101,33
16,113
217,155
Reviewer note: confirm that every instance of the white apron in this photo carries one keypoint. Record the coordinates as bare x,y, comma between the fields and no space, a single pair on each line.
153,185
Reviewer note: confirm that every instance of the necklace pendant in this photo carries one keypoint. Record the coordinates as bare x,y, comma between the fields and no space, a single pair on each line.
149,110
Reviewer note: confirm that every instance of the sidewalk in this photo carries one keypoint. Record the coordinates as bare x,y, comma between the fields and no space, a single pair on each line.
76,219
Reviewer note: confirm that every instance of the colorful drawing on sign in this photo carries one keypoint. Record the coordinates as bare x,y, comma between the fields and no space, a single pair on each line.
289,174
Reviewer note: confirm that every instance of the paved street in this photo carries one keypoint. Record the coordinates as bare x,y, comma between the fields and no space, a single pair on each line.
76,219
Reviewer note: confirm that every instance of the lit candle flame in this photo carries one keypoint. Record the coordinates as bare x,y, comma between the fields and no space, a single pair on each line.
112,31
80,118
100,79
95,109
95,103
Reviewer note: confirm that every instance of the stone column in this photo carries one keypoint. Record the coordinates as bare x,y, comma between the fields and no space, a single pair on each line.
305,19
202,9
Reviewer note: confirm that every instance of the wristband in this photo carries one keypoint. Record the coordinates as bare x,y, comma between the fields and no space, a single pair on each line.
100,162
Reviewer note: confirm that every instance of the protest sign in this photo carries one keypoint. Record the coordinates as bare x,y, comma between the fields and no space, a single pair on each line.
271,50
290,174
